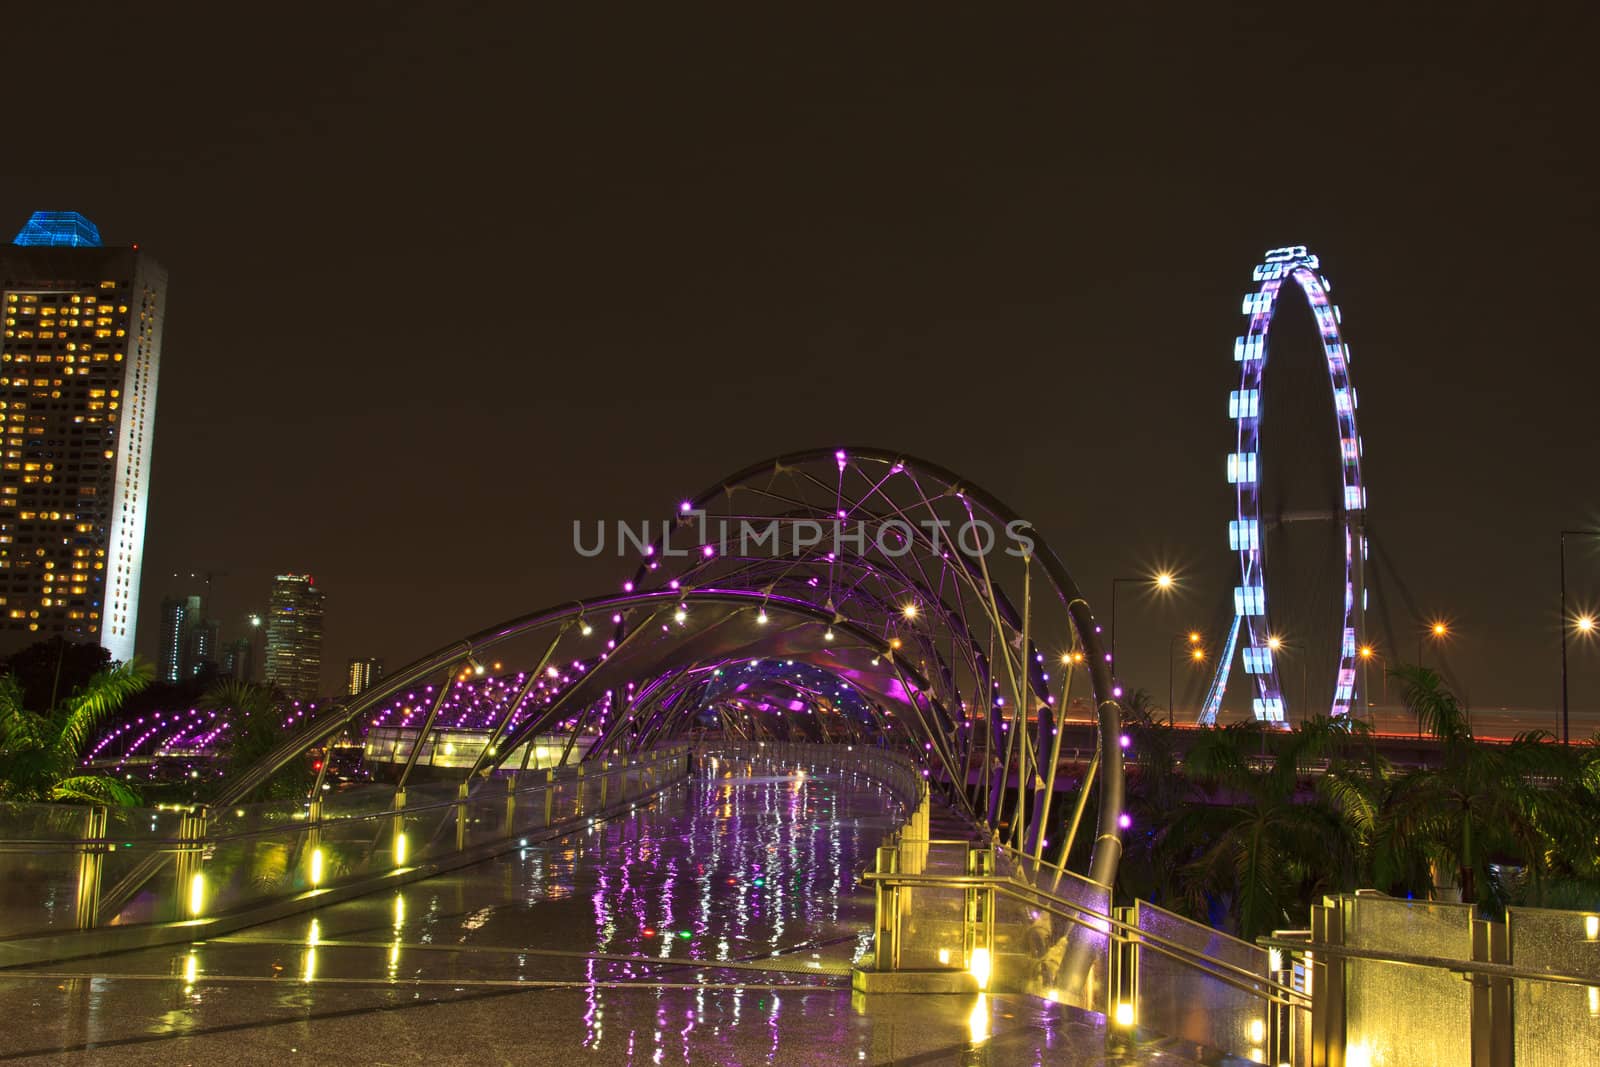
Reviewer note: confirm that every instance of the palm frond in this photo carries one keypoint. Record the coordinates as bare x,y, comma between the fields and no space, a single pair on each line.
100,697
94,789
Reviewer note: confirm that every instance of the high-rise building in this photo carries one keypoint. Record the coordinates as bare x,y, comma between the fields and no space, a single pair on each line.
204,639
78,368
363,673
178,617
294,636
239,659
188,640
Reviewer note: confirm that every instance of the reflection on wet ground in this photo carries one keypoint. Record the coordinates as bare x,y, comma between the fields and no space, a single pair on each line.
716,924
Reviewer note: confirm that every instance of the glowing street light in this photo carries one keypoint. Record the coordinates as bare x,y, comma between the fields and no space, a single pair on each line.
1438,630
1163,581
1584,624
1196,655
1274,642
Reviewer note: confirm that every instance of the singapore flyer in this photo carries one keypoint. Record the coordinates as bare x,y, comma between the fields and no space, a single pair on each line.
1258,631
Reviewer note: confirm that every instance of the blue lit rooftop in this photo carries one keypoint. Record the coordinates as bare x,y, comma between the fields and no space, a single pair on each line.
62,229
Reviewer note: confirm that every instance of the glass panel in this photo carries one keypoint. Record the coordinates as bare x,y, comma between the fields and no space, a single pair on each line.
1182,1000
141,839
1556,1025
1411,1015
39,866
1045,943
257,851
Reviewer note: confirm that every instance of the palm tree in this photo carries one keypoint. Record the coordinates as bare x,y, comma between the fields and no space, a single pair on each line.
1257,848
255,720
1505,803
41,754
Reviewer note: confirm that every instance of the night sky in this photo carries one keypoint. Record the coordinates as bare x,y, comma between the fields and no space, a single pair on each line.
443,283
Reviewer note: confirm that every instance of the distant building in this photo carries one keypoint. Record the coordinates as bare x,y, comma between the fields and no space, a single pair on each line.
78,366
189,640
180,616
363,674
239,659
202,654
294,636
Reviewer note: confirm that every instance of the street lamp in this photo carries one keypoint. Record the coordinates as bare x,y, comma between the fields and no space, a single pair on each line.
1368,654
1585,624
1438,629
1196,655
1162,581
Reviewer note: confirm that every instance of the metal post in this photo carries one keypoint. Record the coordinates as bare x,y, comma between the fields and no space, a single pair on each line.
1172,654
91,859
1125,949
422,734
1491,997
399,830
1077,811
191,831
1327,985
885,951
461,815
978,929
1055,760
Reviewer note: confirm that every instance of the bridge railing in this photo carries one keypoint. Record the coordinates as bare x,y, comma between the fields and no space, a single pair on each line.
899,772
1375,980
74,877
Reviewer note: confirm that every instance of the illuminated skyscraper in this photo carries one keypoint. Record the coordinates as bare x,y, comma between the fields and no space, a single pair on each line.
363,673
294,636
179,614
78,367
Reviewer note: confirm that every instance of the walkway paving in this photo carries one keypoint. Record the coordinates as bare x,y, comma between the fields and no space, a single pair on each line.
714,925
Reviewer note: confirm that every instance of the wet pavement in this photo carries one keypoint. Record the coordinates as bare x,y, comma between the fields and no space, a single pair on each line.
715,924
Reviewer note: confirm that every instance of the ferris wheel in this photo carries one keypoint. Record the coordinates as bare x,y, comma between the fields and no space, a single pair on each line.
1254,528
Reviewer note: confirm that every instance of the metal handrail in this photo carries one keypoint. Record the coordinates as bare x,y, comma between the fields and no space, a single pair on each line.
46,846
1488,970
1248,981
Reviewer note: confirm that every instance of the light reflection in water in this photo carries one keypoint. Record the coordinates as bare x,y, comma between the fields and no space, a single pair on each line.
756,863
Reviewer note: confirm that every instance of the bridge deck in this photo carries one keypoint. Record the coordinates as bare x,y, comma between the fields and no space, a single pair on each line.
714,925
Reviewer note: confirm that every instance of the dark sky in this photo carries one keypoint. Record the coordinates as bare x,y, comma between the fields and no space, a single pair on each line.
443,282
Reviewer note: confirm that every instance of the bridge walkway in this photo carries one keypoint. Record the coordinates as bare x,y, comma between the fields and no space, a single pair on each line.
714,923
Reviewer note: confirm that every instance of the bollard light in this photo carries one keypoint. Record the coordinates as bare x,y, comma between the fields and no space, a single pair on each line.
979,967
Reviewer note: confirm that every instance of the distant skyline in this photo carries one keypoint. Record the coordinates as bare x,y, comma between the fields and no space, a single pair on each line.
459,283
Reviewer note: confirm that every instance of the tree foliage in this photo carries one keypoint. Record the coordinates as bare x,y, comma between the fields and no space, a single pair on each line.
1252,826
41,753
